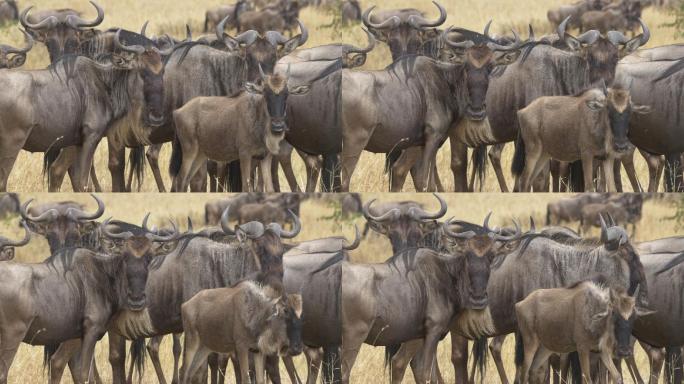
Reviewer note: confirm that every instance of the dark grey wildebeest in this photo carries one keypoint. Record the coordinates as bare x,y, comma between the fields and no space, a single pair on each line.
18,55
440,286
574,11
405,31
587,316
91,102
569,209
215,208
663,329
214,15
654,76
61,30
9,204
253,124
249,251
591,125
75,293
8,11
351,11
256,320
548,263
64,224
547,71
415,102
7,245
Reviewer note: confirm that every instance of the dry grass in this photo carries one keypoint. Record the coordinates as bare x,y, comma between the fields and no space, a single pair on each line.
317,223
369,176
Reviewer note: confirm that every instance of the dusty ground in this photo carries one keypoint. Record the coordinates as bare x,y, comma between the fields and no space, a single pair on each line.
369,176
318,220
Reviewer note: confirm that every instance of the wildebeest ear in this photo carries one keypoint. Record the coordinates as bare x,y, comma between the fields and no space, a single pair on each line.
254,88
299,89
289,46
452,57
595,105
166,248
600,316
641,312
572,42
295,302
631,46
36,227
378,34
121,62
17,61
377,227
642,109
508,58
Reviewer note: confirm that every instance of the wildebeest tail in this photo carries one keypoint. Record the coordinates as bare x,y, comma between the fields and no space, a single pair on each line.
332,365
518,157
138,355
330,175
49,158
519,349
390,351
575,369
480,356
671,264
480,163
176,157
330,262
48,352
576,178
136,159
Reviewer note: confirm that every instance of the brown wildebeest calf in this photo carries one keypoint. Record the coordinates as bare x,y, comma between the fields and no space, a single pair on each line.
584,317
569,128
238,320
224,129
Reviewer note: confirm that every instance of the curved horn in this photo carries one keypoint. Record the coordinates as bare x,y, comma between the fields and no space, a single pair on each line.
225,225
457,235
77,214
589,37
76,22
4,242
384,217
390,23
143,30
460,45
486,29
604,229
121,236
419,22
562,27
155,237
486,222
646,35
46,23
168,50
516,44
29,45
43,217
304,35
422,215
369,47
357,240
295,231
138,49
516,235
533,227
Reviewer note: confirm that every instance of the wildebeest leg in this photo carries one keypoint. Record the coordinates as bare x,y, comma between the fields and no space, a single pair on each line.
534,164
495,348
117,357
266,178
585,365
495,159
459,162
246,173
350,157
199,181
243,360
350,350
541,181
634,370
628,163
459,357
259,367
539,368
656,164
61,357
555,169
9,150
272,366
218,362
291,370
85,160
117,166
212,170
176,349
402,358
400,169
427,163
531,344
313,165
285,162
153,351
59,168
427,357
607,359
314,358
656,358
608,174
90,337
152,155
588,168
11,336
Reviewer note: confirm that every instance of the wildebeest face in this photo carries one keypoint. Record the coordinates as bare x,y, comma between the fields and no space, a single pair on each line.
620,109
275,91
282,332
625,312
478,260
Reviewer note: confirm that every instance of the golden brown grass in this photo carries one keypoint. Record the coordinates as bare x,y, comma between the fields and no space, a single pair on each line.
369,175
316,220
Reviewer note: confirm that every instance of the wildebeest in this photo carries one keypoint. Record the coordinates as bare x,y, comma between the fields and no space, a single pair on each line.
415,102
7,245
254,121
586,317
253,320
593,124
273,209
63,224
85,288
405,31
575,11
351,11
8,11
604,21
548,263
37,123
674,244
440,285
60,30
626,210
9,204
278,17
590,58
18,57
215,208
248,251
213,16
350,55
569,209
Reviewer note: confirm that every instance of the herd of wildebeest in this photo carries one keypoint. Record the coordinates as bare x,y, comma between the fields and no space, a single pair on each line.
238,290
577,104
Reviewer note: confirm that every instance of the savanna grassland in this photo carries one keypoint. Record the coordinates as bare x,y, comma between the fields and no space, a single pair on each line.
171,17
320,218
